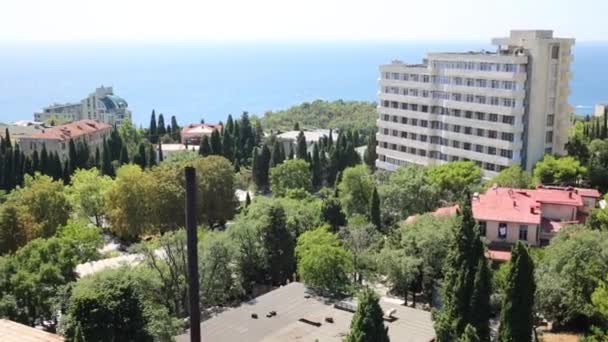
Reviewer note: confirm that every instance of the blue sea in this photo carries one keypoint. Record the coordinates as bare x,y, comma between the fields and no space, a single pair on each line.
209,80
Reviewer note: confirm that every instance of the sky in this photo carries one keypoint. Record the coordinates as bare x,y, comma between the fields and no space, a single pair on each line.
250,20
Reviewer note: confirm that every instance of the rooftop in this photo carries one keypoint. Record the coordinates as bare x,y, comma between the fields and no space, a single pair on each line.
71,130
16,332
294,302
311,136
200,129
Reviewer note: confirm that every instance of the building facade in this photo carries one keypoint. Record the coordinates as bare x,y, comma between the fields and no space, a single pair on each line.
101,105
56,139
494,108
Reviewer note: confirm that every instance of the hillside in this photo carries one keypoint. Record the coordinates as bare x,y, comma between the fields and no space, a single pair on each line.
339,114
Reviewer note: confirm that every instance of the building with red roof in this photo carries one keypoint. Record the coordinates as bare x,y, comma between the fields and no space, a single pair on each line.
193,133
507,215
57,138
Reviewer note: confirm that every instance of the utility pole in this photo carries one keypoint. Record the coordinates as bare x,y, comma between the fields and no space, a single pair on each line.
192,244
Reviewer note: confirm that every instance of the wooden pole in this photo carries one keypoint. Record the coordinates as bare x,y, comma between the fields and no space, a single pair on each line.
192,244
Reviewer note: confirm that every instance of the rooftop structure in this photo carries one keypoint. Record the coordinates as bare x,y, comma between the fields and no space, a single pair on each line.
20,129
101,105
289,139
16,332
302,316
57,138
193,133
496,108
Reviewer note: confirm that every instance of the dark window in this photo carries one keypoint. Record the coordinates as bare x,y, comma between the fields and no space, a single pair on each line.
555,51
502,230
523,232
482,228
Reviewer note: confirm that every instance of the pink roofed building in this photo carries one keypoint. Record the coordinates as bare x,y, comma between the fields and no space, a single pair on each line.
193,133
507,215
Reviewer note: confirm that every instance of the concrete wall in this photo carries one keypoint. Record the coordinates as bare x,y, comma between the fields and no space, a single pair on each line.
558,212
512,232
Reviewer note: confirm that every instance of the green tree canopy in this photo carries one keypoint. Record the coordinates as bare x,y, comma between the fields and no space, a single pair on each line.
355,190
87,193
367,324
291,174
513,177
562,171
455,178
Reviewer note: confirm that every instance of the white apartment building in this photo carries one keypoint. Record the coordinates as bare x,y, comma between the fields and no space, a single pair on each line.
101,105
494,108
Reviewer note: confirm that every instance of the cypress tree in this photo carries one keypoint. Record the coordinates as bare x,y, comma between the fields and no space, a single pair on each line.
516,317
18,160
367,324
301,148
35,161
28,167
460,269
264,166
151,156
124,156
374,211
160,152
97,157
140,157
7,139
291,156
370,155
175,128
72,155
44,161
480,301
153,130
205,148
255,167
230,124
160,128
9,177
258,133
605,127
66,173
107,169
296,126
227,145
316,168
57,167
216,143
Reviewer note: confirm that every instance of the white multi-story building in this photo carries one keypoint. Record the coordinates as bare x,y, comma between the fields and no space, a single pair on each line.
102,106
494,108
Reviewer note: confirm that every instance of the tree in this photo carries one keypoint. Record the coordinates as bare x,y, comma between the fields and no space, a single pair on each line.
370,155
215,180
204,148
278,245
355,190
215,142
228,145
517,315
152,131
332,213
367,324
361,239
160,152
408,191
175,128
130,203
562,171
301,147
568,273
108,307
480,301
459,285
513,177
292,174
141,156
455,179
106,164
374,211
162,129
402,271
87,193
316,168
151,158
322,261
14,228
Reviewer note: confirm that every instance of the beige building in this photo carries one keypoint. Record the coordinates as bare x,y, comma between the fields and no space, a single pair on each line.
101,105
494,108
57,139
600,109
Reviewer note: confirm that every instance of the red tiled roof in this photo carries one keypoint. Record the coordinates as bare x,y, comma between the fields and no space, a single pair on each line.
71,130
200,128
504,204
564,196
444,211
15,332
589,192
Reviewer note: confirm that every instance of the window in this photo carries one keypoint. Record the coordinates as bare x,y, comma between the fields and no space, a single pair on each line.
491,150
456,128
467,146
423,137
555,52
506,136
414,122
495,84
458,80
492,134
480,115
548,150
523,232
549,137
508,119
468,114
425,78
482,228
404,121
494,101
469,98
550,119
493,117
455,144
468,130
480,132
479,148
404,135
424,123
502,230
506,153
